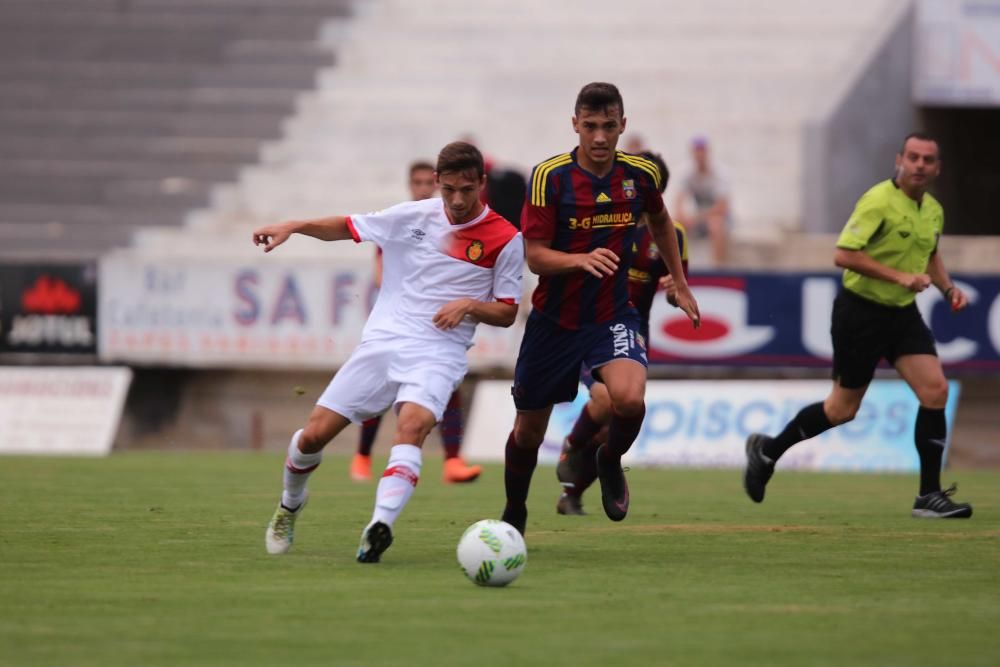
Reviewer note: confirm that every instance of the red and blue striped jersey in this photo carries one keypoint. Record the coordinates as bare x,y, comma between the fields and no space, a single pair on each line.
648,267
579,212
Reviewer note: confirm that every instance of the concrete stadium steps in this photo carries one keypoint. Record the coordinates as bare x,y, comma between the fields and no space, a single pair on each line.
120,114
71,122
159,151
412,76
68,76
146,97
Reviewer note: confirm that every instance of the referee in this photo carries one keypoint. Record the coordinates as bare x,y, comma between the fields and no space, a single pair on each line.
888,251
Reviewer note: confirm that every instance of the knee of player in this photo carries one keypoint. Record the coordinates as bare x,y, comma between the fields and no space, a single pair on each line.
311,440
934,394
528,435
629,405
412,432
600,403
841,413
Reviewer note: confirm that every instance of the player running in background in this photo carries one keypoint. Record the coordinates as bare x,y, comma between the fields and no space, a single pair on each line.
422,186
576,469
580,225
888,250
451,263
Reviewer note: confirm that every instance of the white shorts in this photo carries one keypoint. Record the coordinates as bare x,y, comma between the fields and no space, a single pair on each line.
385,373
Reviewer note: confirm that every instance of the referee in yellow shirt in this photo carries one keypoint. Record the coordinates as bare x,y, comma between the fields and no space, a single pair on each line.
888,251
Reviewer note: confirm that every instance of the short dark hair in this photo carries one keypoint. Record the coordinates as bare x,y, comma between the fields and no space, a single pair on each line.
458,157
657,159
598,96
922,136
420,165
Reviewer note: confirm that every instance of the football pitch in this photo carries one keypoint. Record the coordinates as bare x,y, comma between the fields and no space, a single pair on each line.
158,559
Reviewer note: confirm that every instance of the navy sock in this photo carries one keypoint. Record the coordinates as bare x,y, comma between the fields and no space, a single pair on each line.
369,429
584,429
519,466
451,426
622,432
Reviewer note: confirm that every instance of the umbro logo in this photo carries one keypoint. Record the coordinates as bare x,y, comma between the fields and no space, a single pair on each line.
603,198
905,235
417,234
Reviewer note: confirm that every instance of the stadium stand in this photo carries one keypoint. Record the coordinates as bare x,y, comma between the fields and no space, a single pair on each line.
117,114
413,76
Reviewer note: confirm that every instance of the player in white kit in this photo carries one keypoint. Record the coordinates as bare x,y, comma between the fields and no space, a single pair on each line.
449,263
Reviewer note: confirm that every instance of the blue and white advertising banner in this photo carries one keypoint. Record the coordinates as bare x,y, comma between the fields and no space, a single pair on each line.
783,319
706,424
228,313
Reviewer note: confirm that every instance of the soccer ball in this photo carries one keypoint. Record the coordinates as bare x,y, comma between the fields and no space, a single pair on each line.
492,553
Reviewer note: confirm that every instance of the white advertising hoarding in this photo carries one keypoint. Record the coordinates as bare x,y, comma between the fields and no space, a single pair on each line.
66,411
232,313
706,423
957,48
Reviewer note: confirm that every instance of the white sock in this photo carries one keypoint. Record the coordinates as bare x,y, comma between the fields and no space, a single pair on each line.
298,467
397,483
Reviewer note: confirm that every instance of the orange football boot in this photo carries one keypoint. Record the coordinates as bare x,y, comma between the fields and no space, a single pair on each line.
457,472
361,468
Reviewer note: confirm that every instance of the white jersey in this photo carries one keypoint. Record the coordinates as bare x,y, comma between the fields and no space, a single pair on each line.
428,262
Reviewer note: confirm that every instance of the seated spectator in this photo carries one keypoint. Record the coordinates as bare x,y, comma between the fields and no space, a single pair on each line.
703,203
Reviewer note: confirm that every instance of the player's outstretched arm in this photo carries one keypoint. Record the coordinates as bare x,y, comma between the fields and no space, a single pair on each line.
495,313
952,292
333,228
544,261
665,237
861,262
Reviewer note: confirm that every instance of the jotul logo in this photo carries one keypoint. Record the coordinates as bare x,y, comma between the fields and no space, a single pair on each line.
50,296
51,316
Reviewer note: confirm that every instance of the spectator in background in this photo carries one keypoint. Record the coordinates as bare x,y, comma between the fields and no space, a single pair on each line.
635,145
703,203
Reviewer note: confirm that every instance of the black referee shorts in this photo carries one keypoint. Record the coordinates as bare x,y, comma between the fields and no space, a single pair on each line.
865,332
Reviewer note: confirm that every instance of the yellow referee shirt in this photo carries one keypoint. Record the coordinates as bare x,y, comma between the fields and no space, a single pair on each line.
895,231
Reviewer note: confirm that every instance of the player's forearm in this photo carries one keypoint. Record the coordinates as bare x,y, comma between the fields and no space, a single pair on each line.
939,274
495,313
333,228
544,261
665,237
860,262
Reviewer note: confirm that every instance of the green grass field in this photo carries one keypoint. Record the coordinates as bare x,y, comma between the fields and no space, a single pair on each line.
158,559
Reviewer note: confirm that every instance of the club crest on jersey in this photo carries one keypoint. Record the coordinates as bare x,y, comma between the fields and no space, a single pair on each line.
603,198
474,251
628,188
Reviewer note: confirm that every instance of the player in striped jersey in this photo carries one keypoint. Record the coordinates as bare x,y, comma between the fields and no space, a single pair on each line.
576,469
580,225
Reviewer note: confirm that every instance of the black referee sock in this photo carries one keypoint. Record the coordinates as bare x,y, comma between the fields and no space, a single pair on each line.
930,434
810,422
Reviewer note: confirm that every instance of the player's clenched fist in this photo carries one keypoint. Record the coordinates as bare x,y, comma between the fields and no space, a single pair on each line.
916,282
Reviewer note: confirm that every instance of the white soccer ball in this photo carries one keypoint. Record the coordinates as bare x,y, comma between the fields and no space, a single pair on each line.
492,553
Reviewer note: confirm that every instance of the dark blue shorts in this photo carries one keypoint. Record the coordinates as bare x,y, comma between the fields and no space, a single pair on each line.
551,357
